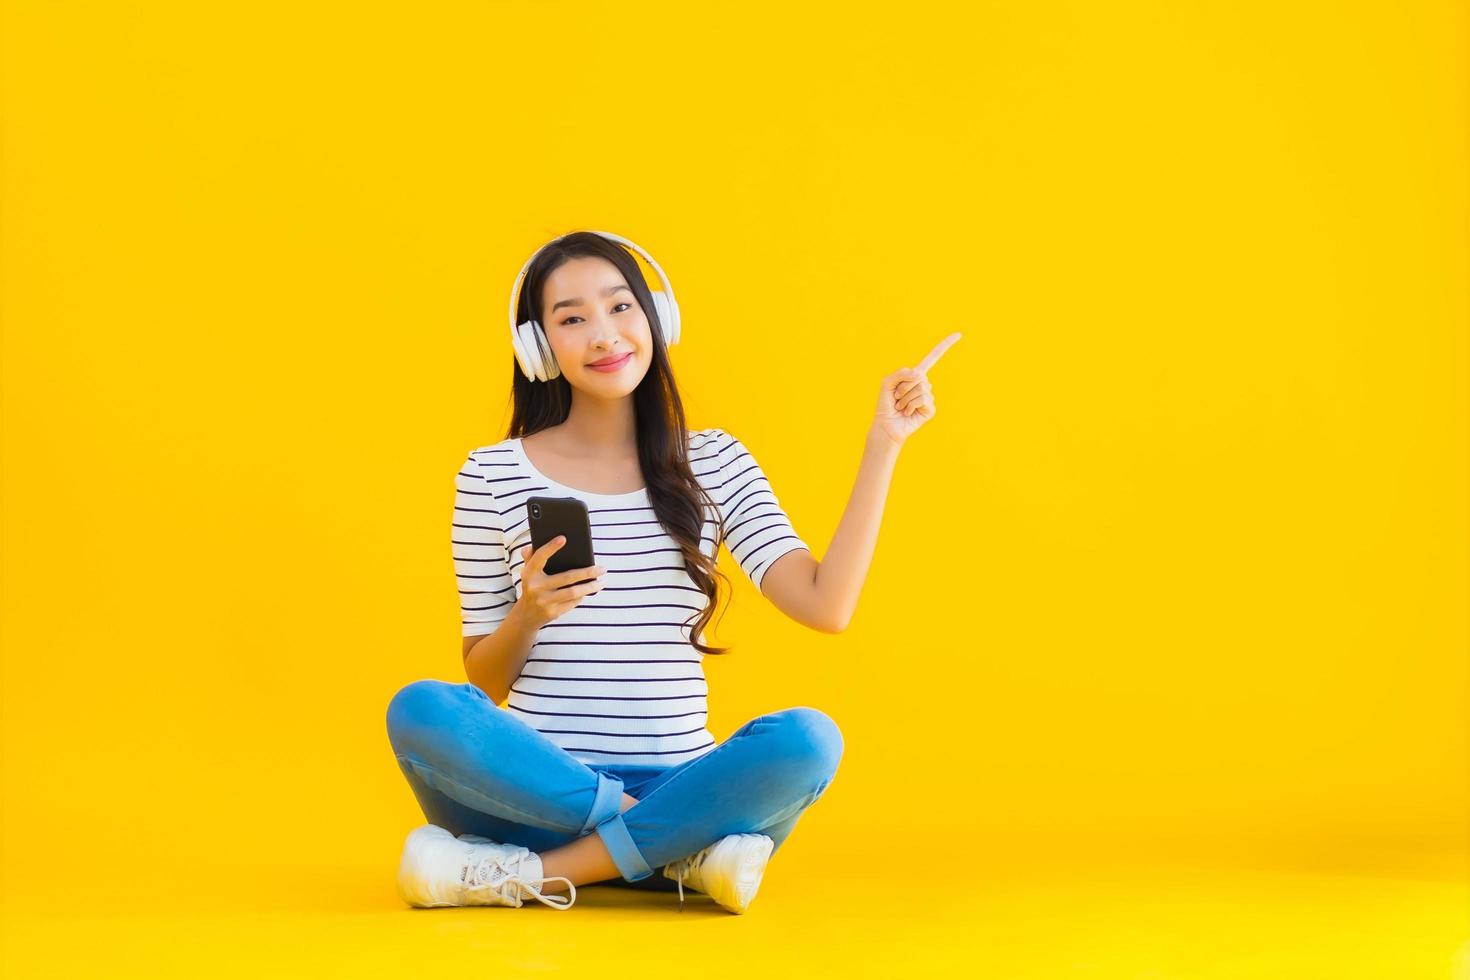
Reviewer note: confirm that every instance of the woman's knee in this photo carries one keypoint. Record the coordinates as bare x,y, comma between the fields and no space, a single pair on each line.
421,706
812,737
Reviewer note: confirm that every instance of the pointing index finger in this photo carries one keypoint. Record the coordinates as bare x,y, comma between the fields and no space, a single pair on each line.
938,350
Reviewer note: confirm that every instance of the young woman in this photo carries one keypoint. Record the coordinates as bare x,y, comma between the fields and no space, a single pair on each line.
600,766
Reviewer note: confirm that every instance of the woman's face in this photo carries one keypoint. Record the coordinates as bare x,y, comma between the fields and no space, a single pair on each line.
592,315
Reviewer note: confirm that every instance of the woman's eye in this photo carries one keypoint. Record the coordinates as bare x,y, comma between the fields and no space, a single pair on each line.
569,319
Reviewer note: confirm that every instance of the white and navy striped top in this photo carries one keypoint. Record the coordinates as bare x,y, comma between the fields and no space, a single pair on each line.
615,679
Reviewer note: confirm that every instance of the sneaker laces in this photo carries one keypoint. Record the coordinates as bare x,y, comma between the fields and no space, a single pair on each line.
489,872
686,866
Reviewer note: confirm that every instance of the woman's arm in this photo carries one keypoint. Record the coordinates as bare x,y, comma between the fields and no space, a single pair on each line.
824,595
494,661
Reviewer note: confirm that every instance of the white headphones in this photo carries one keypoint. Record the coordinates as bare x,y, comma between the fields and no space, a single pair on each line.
533,350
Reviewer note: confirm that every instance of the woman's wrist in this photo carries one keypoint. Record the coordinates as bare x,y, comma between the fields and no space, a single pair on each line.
880,441
522,616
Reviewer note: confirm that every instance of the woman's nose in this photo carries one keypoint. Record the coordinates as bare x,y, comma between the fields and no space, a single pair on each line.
605,334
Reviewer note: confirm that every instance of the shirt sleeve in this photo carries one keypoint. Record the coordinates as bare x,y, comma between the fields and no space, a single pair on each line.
757,530
481,566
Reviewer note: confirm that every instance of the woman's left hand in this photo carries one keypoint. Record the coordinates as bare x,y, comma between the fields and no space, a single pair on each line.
906,401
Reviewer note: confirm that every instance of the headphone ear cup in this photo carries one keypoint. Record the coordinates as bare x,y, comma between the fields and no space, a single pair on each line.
524,351
668,316
533,353
677,328
549,368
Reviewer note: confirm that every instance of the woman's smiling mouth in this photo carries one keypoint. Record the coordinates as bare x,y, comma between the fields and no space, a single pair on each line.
611,366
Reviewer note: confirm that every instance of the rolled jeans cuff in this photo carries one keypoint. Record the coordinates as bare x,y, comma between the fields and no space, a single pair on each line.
606,819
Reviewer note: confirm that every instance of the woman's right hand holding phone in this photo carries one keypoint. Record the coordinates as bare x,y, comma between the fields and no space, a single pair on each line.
547,597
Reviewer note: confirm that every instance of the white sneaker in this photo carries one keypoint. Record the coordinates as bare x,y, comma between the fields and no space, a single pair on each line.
728,871
439,869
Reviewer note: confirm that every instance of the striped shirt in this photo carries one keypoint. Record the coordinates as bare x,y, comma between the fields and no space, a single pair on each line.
615,679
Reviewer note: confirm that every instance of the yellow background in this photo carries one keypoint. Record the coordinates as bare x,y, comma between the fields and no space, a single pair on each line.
1175,579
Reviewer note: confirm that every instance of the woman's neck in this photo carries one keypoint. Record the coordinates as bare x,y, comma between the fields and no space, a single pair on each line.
610,426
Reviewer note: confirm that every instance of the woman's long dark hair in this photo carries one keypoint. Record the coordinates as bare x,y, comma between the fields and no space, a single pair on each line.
679,501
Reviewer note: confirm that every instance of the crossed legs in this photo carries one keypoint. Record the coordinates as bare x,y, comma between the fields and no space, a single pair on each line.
477,768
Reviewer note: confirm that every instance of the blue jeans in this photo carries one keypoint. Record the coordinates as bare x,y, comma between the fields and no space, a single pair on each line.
476,768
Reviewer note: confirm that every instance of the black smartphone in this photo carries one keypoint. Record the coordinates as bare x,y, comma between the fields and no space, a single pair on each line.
551,516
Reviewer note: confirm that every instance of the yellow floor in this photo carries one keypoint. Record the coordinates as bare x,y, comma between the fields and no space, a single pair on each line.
881,920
